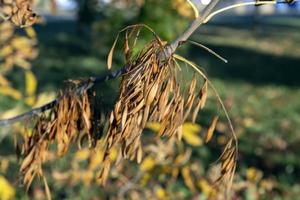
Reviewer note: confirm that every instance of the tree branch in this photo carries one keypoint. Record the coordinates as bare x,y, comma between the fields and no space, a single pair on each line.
52,104
169,50
206,15
192,28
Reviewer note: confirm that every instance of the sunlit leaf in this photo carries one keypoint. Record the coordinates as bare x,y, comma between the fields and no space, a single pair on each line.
113,154
3,81
155,127
253,174
31,82
81,155
44,98
186,173
30,32
191,134
21,62
206,188
145,179
161,193
11,92
185,8
12,112
20,42
4,165
6,50
147,164
30,100
7,192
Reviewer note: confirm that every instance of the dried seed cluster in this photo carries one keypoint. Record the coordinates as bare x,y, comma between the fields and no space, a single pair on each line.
149,92
228,161
19,12
70,121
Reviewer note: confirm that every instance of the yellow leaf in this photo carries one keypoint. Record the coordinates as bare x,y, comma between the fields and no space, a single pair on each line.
248,122
147,164
28,132
161,193
182,158
82,154
24,131
206,188
11,92
8,63
87,177
113,154
44,98
96,159
188,178
6,50
31,83
153,126
20,42
145,179
21,62
30,100
12,112
191,134
191,127
7,192
185,8
4,165
253,174
3,81
30,32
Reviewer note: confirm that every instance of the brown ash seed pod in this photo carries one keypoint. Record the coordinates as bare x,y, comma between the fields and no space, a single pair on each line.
22,14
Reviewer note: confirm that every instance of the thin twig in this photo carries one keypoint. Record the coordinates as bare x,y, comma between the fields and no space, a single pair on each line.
27,115
192,27
194,66
209,50
195,9
210,16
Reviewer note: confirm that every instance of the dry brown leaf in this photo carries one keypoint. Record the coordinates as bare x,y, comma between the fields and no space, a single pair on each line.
28,160
152,93
204,94
211,129
111,52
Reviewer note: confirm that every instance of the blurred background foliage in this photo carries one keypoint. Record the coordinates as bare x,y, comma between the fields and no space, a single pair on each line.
259,85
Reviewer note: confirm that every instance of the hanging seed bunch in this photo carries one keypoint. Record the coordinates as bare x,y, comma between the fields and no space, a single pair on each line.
35,148
70,121
19,12
228,164
150,92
